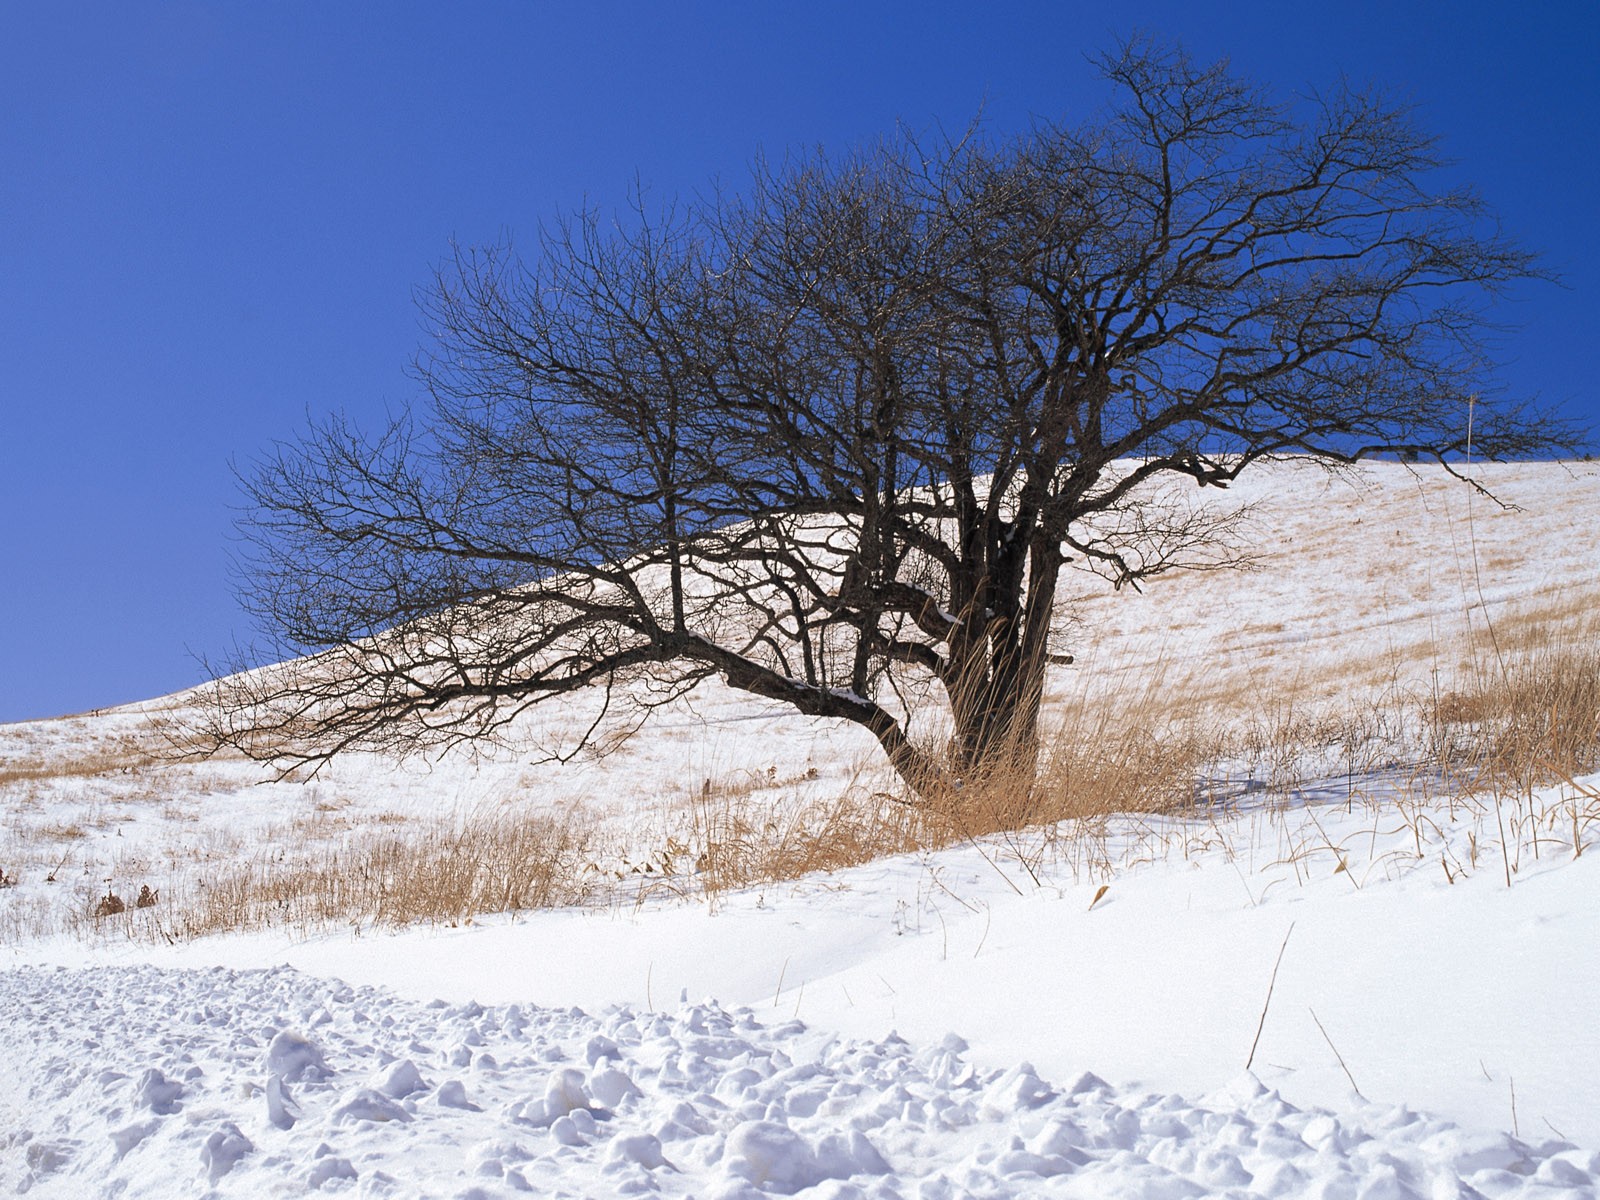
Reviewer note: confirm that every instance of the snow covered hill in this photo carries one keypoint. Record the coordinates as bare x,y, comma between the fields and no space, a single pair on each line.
1409,972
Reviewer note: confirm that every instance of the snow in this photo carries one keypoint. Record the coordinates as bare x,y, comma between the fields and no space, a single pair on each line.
1016,1017
914,1027
472,1100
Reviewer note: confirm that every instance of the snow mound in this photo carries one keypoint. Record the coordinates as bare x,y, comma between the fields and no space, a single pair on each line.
698,1102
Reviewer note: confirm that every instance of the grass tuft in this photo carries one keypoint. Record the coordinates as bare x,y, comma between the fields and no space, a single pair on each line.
443,873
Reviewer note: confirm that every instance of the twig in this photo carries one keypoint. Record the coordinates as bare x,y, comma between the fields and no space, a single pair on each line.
984,854
1472,535
1243,882
51,878
1336,1053
1505,855
1271,983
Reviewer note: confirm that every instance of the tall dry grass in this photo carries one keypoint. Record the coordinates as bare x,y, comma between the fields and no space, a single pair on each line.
446,872
1515,723
1500,726
1500,717
742,836
1517,712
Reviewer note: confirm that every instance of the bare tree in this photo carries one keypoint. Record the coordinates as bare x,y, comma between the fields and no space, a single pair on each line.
834,439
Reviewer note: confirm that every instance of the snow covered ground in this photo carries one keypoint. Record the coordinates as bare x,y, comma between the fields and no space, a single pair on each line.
1012,1018
282,1083
446,1060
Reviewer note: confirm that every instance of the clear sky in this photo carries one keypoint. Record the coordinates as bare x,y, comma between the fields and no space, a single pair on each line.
213,218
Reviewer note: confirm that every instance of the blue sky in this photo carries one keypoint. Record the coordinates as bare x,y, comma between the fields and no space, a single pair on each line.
213,218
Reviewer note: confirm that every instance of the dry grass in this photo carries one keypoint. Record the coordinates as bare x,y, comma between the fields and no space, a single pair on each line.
1522,721
1486,720
1133,750
447,872
742,838
1501,729
737,832
73,760
1520,712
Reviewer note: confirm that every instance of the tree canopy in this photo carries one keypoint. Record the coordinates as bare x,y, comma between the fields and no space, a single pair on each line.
833,437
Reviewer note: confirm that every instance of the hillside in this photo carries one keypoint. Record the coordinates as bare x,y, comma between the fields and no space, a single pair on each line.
1371,844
